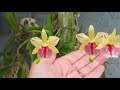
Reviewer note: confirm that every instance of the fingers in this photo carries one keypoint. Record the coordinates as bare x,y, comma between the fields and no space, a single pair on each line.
82,62
84,71
73,56
96,73
74,74
101,59
91,66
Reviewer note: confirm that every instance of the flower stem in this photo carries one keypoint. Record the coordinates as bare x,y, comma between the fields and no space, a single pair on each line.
58,32
18,50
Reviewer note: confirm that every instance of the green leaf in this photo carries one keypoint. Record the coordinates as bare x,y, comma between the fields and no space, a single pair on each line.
66,47
65,50
7,59
60,19
49,22
37,60
12,19
36,31
33,28
68,44
48,26
22,73
49,33
4,71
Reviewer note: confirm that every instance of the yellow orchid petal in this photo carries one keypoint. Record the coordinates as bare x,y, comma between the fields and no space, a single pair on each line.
82,47
36,41
55,50
44,35
111,36
113,33
82,38
35,50
101,40
100,37
100,46
53,40
116,40
91,32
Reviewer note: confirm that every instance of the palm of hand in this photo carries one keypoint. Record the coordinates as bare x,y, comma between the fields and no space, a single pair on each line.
73,65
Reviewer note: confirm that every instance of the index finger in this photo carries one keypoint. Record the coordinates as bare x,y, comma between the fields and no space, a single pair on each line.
96,73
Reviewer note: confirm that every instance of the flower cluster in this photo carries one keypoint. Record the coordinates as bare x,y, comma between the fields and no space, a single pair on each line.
104,43
108,45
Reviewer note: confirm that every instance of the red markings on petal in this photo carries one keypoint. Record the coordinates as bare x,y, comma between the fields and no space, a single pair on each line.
55,39
79,36
90,48
111,51
105,36
33,40
45,52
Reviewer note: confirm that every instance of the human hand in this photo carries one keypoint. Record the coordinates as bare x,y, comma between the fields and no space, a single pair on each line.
72,65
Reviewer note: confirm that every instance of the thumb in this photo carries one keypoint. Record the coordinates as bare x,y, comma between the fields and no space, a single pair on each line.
49,60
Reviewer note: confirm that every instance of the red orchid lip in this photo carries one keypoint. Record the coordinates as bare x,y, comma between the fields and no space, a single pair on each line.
110,49
90,48
45,52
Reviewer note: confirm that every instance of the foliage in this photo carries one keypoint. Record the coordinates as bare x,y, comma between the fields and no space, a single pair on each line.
12,19
18,47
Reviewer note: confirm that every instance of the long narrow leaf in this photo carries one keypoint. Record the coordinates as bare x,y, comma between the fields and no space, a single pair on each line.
12,19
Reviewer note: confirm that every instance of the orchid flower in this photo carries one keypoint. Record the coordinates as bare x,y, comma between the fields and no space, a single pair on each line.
45,47
89,43
110,47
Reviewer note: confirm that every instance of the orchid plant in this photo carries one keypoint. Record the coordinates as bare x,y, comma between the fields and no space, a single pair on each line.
32,42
